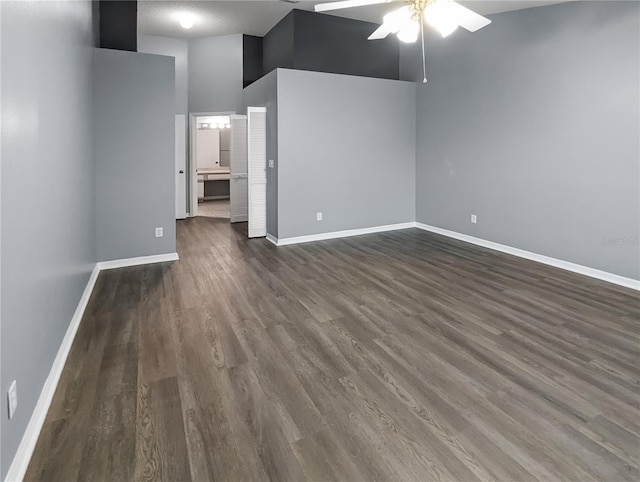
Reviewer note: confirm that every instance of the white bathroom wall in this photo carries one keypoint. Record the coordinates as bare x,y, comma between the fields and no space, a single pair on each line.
208,148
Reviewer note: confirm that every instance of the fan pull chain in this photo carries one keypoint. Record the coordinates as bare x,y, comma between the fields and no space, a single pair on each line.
424,59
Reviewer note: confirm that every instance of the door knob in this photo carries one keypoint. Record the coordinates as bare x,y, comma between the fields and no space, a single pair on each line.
180,171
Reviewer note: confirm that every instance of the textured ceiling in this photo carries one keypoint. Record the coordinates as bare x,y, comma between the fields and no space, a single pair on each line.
159,17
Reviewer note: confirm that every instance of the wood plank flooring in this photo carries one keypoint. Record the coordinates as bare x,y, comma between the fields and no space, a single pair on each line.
394,356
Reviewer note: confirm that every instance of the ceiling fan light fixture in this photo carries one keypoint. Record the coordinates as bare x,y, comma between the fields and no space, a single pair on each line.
398,19
440,17
409,33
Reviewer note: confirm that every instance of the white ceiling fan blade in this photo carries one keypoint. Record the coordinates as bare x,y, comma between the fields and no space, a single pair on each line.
466,18
381,32
325,7
394,22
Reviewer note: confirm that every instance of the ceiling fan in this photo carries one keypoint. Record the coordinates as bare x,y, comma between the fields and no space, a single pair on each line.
407,22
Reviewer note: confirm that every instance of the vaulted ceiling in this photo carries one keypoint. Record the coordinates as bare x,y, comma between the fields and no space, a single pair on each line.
160,17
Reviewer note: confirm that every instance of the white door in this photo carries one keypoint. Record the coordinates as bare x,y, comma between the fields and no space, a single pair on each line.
181,167
257,170
238,166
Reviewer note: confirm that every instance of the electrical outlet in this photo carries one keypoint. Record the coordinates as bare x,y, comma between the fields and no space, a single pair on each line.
272,163
12,396
159,232
318,216
474,219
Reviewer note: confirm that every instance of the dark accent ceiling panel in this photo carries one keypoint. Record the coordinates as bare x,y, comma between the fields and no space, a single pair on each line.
278,45
326,43
251,59
119,25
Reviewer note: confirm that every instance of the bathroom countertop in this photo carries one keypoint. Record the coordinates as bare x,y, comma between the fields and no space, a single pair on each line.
213,170
213,174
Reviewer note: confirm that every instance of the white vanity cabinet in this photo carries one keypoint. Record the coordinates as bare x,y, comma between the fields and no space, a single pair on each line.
208,174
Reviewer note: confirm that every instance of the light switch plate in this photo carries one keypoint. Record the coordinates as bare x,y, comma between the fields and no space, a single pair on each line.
272,163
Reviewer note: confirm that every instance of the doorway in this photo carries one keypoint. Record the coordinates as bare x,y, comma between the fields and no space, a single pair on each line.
226,168
210,173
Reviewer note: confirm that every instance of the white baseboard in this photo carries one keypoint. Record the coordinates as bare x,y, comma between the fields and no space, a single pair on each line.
123,263
558,263
272,239
23,455
21,460
341,234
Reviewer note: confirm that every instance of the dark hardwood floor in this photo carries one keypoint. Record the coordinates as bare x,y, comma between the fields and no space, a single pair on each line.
395,356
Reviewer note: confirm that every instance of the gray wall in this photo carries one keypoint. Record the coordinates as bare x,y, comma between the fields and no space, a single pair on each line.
263,93
346,147
532,123
178,49
134,153
215,74
48,203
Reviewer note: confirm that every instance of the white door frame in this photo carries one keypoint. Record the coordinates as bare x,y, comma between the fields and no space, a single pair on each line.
181,166
192,183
